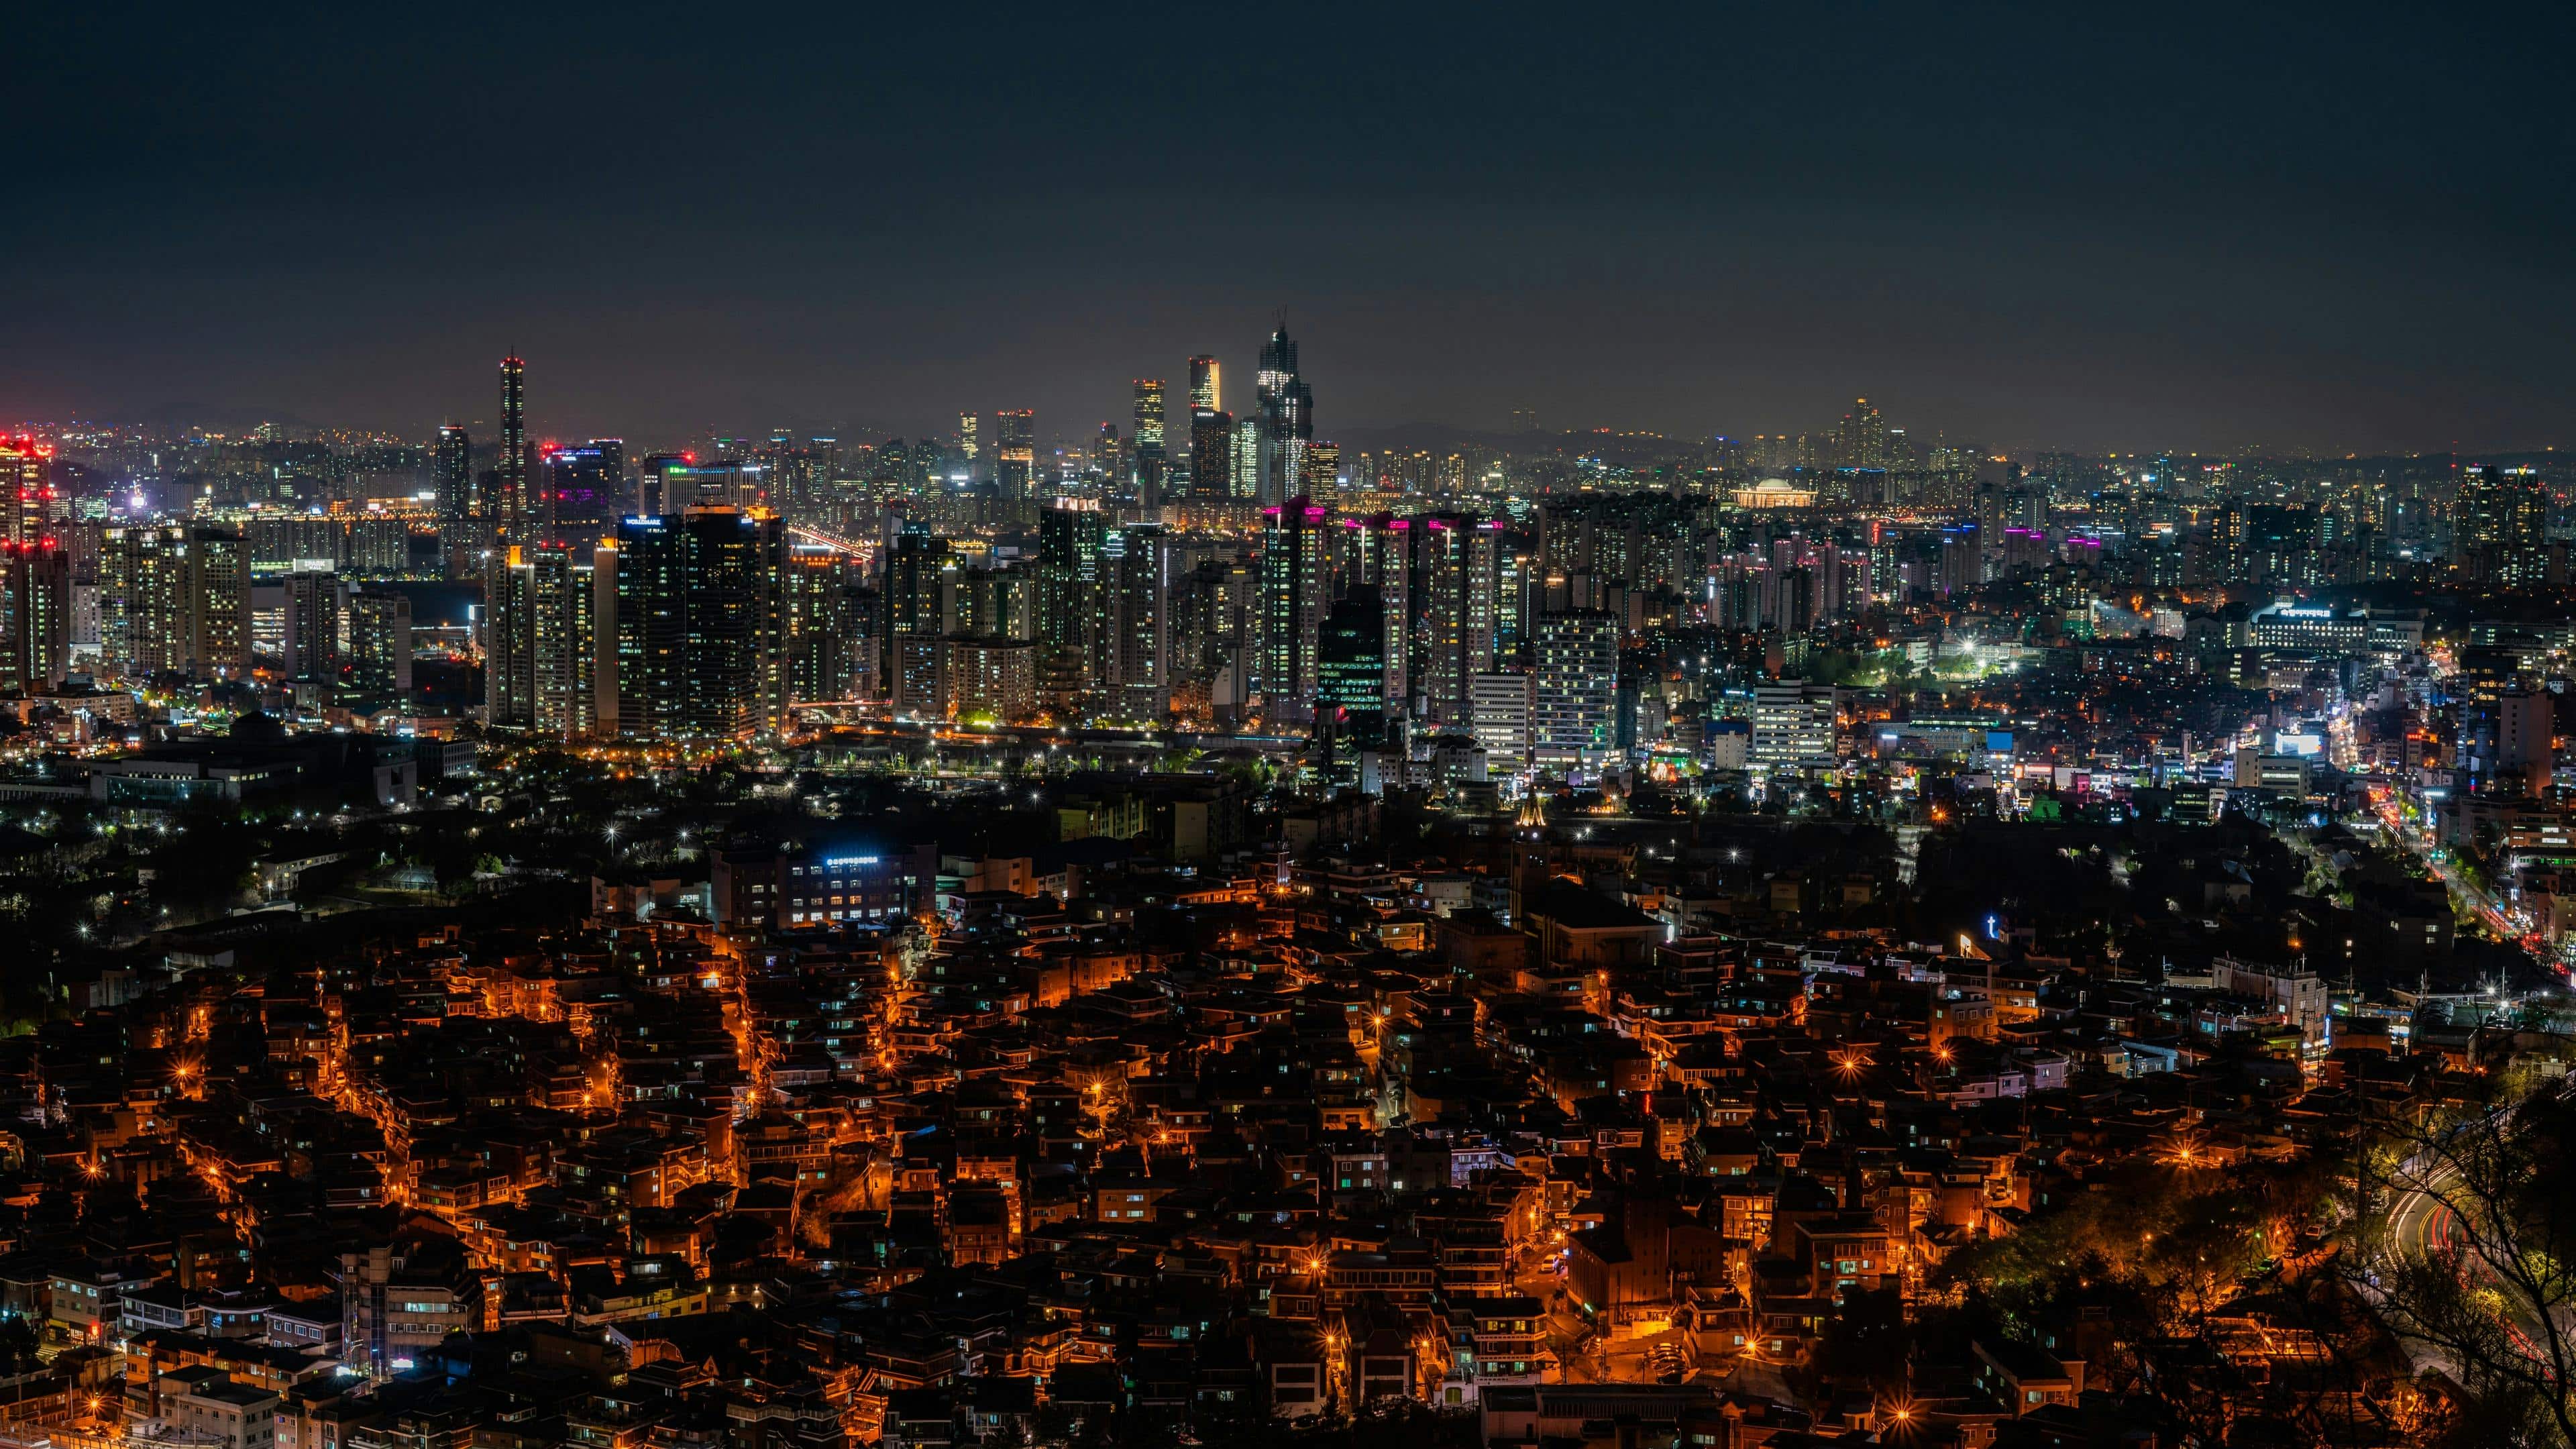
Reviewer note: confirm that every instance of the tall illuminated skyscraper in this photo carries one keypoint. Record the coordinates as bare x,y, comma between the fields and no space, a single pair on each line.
1070,539
1296,583
1211,453
511,510
546,652
1350,662
174,599
2498,523
915,601
1323,471
1246,484
1287,413
1205,389
1015,452
142,599
585,490
1578,679
1460,562
1135,568
35,616
1149,441
451,472
823,630
27,473
700,625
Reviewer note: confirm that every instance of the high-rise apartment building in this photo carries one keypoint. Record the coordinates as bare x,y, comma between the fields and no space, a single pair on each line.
1862,439
35,616
550,634
700,625
1454,639
1381,561
1071,536
451,475
1505,712
823,631
1576,718
916,604
36,511
2499,521
1135,567
316,620
377,670
143,599
174,599
218,620
989,678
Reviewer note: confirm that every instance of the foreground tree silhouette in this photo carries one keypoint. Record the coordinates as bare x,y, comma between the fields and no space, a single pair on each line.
2465,1241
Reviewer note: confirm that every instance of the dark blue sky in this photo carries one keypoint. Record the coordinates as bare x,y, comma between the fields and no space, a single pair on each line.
2127,227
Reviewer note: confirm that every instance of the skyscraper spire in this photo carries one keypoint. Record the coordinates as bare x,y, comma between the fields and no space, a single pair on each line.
1286,410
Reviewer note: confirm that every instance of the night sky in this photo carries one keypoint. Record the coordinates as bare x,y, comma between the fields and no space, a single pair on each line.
2133,227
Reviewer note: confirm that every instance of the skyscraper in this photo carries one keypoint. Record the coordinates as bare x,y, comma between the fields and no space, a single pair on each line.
1323,467
1149,441
1296,581
511,508
219,576
174,599
1380,564
2498,526
316,602
823,630
1287,415
1135,564
1350,662
1211,453
35,616
915,600
1205,390
1070,539
548,640
1861,439
1504,708
1015,433
967,443
585,491
1109,457
377,670
1459,558
451,471
27,473
700,625
142,599
1577,687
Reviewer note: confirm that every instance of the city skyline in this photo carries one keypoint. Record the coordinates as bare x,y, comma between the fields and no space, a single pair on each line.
2073,235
